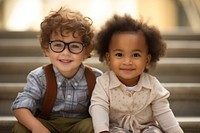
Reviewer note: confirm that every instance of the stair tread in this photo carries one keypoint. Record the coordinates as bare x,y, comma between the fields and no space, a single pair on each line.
34,42
31,47
96,60
188,124
8,118
177,90
175,35
188,119
182,44
179,118
167,70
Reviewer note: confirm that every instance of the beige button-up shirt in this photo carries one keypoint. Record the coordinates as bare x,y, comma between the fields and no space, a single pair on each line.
113,105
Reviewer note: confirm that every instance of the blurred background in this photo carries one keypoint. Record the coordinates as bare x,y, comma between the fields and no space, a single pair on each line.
178,71
167,15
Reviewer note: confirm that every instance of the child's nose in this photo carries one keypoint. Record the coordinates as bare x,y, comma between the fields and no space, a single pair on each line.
66,51
128,61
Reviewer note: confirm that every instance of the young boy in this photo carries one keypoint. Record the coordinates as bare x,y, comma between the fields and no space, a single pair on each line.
66,39
127,99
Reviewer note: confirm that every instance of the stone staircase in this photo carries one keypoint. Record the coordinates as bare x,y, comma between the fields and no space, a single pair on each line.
179,72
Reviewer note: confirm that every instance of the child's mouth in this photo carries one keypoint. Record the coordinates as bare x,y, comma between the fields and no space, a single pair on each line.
65,61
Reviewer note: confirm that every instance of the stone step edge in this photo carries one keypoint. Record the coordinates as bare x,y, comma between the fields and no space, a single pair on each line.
95,60
179,91
173,35
180,119
34,42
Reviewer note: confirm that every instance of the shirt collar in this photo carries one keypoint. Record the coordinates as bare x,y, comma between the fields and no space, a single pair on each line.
144,81
114,81
74,80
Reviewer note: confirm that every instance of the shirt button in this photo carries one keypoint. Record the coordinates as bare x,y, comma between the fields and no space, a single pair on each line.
75,84
68,96
59,83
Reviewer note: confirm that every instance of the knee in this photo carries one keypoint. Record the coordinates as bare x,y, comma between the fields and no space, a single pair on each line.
86,126
19,128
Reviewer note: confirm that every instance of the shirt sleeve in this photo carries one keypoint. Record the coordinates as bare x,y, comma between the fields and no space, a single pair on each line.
31,94
162,111
99,108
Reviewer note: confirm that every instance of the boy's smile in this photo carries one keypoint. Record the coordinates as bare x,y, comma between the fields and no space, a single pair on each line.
65,61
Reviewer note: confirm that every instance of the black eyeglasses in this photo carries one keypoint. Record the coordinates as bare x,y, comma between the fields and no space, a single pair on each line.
58,46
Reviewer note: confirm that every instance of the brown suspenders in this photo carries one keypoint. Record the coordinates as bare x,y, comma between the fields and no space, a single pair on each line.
51,90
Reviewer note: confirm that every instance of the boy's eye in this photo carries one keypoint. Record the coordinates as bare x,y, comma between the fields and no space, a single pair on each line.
75,46
58,45
119,54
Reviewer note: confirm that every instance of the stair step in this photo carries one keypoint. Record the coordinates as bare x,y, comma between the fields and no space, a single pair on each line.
15,69
7,123
180,91
180,48
181,35
31,47
175,35
188,124
183,91
10,90
20,47
184,97
178,70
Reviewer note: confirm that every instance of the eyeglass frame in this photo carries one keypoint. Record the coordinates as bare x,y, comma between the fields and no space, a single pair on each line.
66,44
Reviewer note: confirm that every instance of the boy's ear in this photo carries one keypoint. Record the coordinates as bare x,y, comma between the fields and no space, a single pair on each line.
46,52
88,54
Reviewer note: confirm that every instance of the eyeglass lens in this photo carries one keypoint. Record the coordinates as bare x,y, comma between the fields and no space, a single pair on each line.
73,47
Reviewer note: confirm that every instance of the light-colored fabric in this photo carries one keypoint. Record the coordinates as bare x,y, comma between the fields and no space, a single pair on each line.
113,105
118,130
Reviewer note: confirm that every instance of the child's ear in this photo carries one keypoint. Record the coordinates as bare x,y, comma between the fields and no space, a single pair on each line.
87,54
107,58
148,60
46,52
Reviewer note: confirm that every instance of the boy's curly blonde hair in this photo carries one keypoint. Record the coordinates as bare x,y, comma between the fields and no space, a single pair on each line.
65,20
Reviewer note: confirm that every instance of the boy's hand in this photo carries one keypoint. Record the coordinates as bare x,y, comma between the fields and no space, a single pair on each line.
26,118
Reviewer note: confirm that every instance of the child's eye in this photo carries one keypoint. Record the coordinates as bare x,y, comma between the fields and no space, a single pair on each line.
136,55
119,54
58,45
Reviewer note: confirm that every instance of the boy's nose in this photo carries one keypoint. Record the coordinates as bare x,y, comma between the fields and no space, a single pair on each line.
66,51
